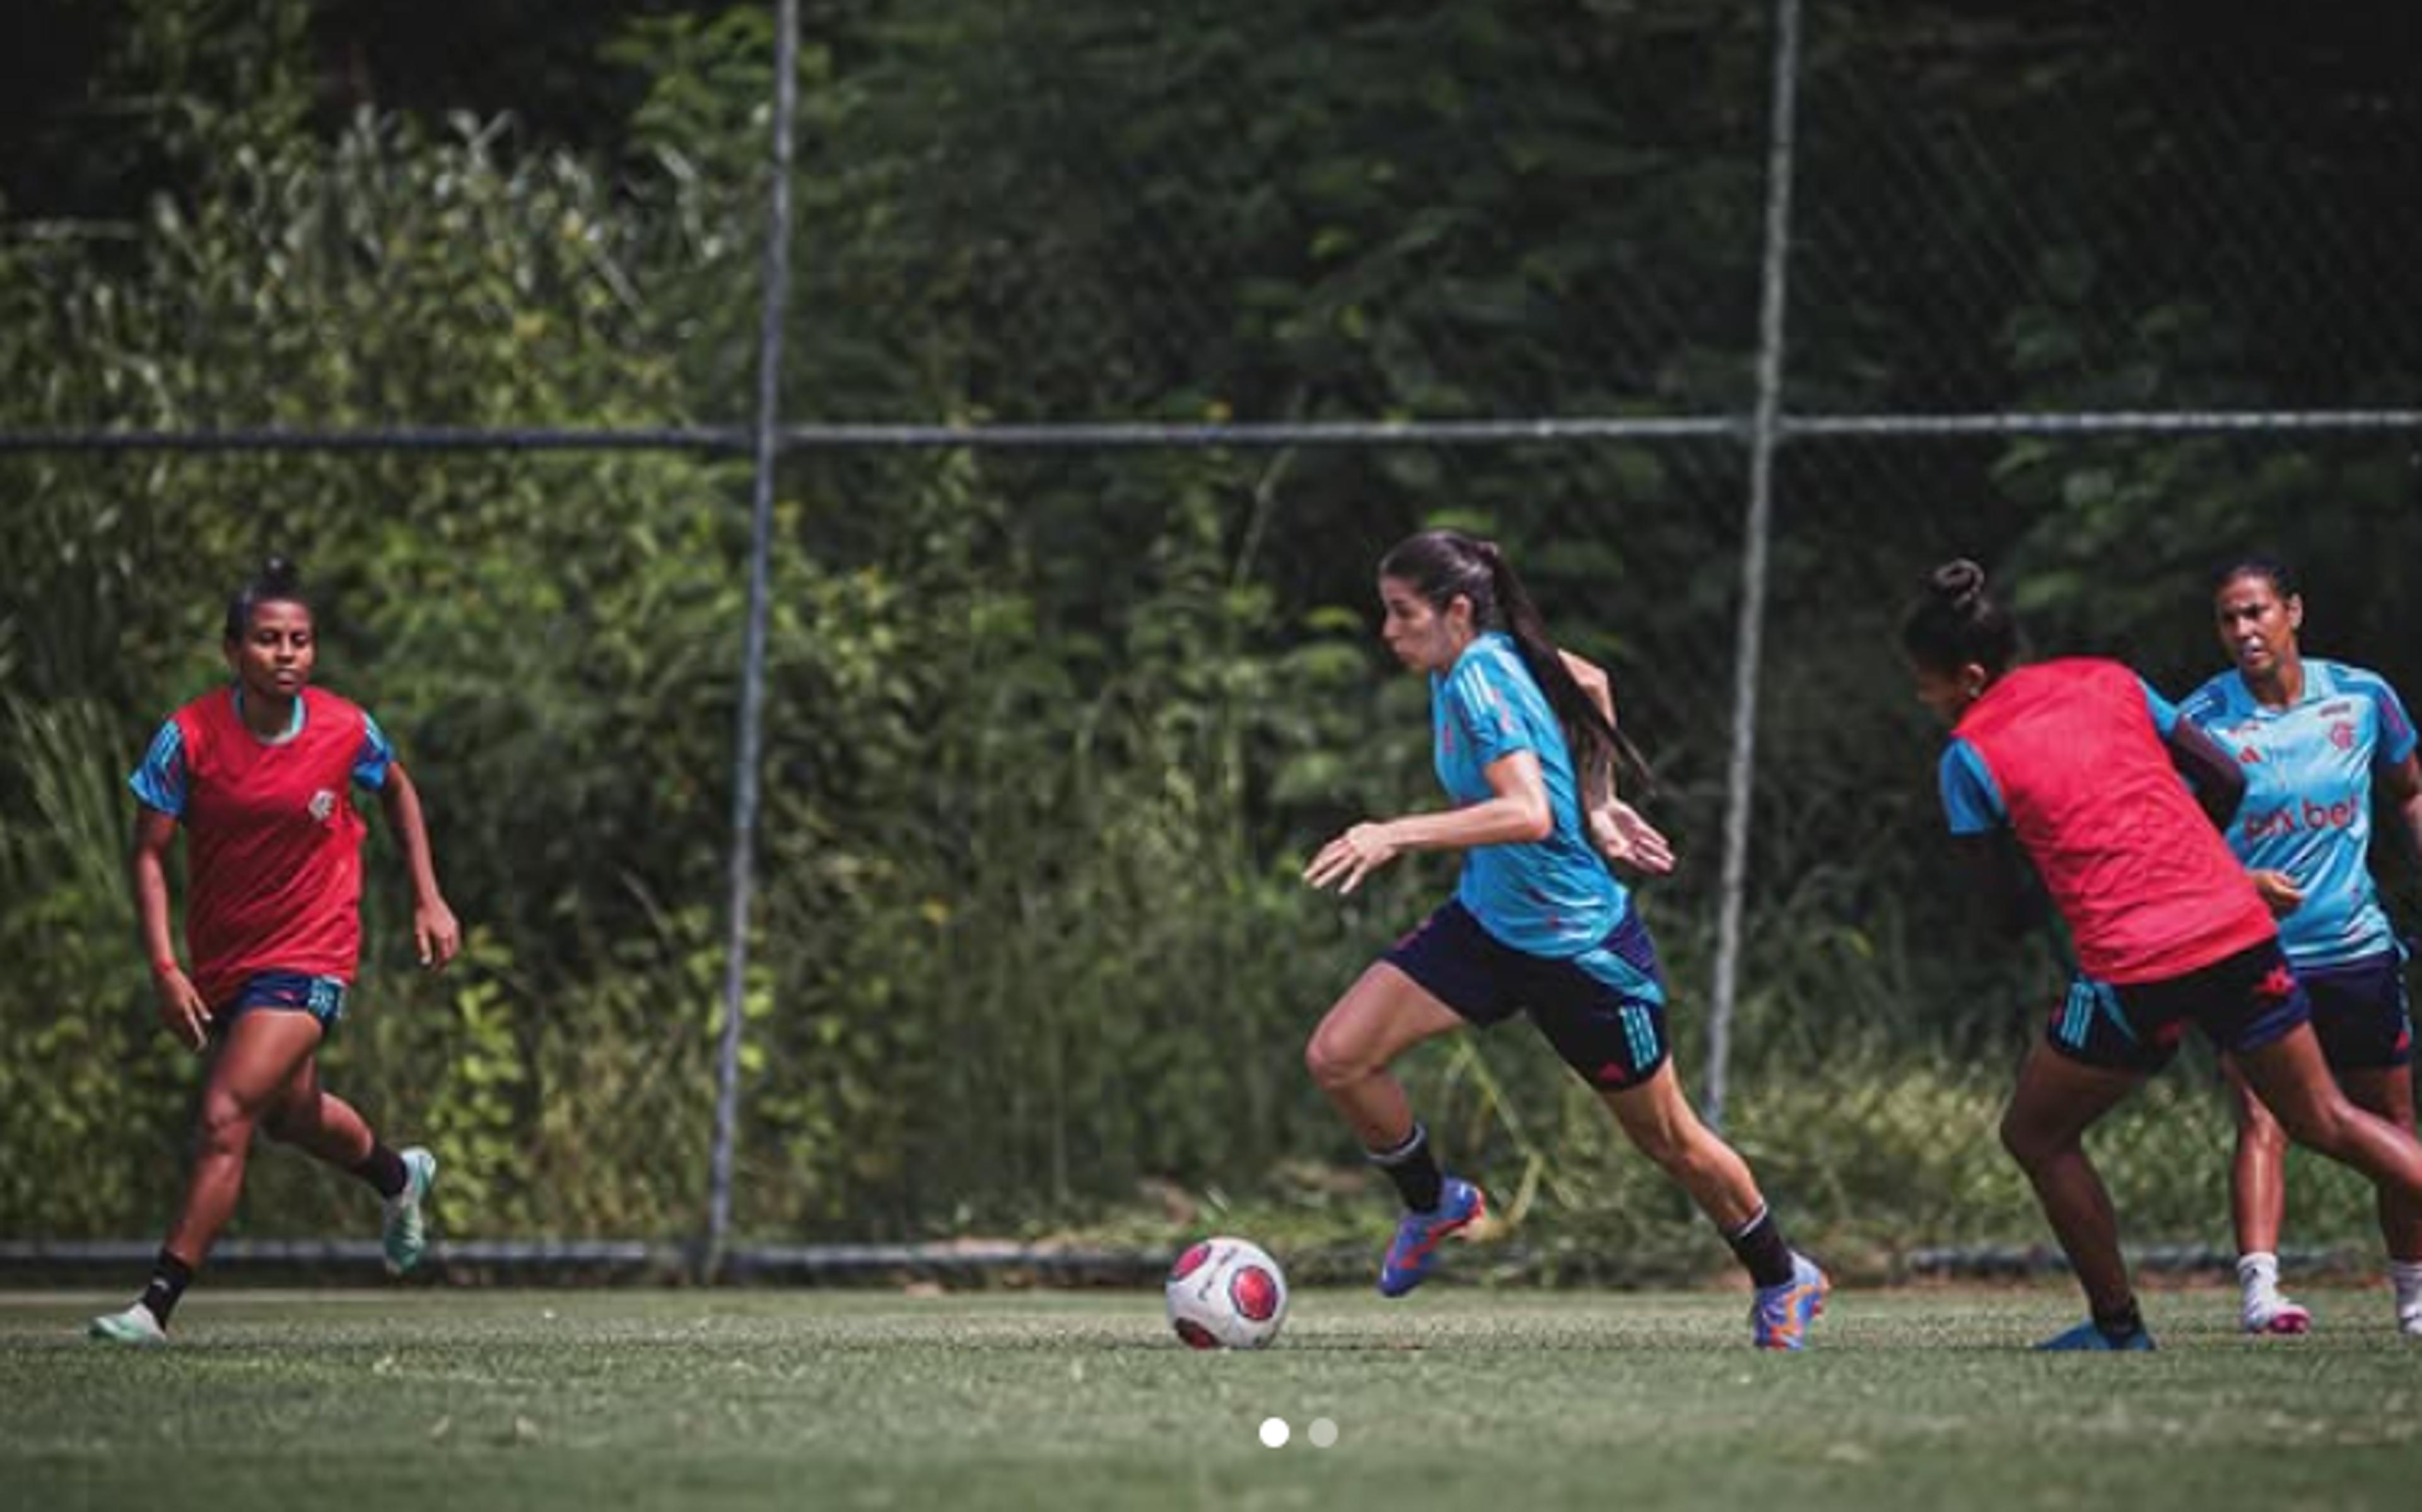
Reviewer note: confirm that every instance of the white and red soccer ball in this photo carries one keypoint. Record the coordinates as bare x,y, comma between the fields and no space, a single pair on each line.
1226,1294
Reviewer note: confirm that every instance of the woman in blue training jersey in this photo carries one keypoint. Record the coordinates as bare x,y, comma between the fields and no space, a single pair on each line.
2310,736
1526,747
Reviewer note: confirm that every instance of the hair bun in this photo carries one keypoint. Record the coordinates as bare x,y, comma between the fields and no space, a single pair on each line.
1959,583
279,575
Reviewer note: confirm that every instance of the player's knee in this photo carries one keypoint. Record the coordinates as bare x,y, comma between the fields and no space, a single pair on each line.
2028,1141
2259,1128
225,1124
1331,1060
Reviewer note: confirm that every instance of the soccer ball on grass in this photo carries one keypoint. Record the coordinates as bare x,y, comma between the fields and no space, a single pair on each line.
1226,1294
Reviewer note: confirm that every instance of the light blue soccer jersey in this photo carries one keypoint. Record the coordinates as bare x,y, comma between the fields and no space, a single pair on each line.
1552,897
2307,809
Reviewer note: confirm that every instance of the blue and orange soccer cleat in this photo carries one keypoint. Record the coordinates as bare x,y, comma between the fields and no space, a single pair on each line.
2086,1337
1414,1249
1779,1318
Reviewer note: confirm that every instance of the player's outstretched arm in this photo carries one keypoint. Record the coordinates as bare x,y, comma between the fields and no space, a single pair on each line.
1515,813
433,929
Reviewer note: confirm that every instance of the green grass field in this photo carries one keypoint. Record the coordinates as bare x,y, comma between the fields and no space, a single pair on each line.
1461,1397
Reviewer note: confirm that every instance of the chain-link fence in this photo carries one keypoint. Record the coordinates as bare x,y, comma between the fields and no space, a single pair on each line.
1726,323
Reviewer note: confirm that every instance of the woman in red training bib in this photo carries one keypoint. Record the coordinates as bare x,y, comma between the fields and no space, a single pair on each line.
259,775
2074,765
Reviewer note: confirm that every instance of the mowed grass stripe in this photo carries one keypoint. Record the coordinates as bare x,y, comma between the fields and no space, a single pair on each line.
1456,1397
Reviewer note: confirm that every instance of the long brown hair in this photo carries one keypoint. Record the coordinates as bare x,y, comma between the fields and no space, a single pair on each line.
1441,564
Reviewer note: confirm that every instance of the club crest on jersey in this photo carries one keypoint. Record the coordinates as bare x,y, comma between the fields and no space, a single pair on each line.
323,804
2342,735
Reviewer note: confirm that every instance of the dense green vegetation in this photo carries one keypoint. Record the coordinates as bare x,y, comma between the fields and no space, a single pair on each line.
1051,732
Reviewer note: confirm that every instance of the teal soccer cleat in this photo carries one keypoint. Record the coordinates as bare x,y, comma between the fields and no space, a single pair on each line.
2086,1337
1414,1249
405,1233
134,1325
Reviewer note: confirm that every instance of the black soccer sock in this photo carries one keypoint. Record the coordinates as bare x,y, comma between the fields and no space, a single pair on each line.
2120,1326
171,1276
1761,1248
382,1168
1414,1170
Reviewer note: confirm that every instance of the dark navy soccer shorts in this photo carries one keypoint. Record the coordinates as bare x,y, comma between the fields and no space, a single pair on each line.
1604,1010
2241,1003
322,997
2360,1012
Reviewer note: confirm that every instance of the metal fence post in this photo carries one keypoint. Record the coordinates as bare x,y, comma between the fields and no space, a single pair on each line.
752,676
1765,430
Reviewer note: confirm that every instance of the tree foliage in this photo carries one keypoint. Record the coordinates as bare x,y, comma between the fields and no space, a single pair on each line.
1048,734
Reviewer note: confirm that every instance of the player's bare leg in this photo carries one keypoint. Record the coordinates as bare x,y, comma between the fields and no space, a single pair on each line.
2258,1194
1384,1014
250,1072
2056,1102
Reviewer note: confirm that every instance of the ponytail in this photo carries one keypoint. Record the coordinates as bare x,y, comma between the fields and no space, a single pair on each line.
1602,752
1441,564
